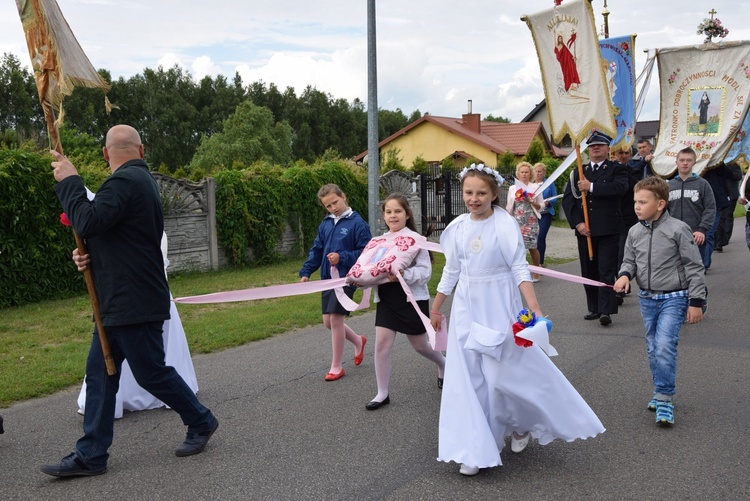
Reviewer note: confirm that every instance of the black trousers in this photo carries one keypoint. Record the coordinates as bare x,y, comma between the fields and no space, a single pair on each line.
603,268
726,225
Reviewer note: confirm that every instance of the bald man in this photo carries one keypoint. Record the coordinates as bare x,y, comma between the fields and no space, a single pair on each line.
123,228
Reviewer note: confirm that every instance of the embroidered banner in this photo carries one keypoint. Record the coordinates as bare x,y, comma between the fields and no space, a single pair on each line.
704,99
617,55
59,62
573,74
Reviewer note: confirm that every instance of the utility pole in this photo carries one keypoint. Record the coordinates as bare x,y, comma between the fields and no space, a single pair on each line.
373,155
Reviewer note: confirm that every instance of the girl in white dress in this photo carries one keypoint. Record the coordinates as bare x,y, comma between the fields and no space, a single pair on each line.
493,387
130,396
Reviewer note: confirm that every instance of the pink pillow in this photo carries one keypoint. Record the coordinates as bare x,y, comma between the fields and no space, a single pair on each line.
390,253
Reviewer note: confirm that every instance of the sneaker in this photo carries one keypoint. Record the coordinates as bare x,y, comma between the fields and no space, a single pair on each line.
652,405
664,412
519,444
469,471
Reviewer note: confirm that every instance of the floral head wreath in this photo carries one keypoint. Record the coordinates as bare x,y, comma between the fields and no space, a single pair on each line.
482,168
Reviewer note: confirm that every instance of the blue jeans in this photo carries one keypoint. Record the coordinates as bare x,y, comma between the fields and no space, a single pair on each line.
541,242
662,319
143,346
708,247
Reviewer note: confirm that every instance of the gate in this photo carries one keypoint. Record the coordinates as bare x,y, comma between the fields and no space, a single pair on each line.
442,199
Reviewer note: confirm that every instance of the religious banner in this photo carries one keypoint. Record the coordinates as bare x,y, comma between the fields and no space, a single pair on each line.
57,59
573,73
617,54
704,100
739,152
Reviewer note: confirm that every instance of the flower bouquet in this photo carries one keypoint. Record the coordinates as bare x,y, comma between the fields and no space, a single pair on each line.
533,327
712,28
524,319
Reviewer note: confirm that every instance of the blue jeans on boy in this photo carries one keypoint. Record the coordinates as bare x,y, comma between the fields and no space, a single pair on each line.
663,318
143,346
708,247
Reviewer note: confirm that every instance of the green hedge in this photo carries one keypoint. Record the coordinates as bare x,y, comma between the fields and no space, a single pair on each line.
35,249
252,206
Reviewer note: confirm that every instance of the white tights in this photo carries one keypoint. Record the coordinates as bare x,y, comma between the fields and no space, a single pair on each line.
384,339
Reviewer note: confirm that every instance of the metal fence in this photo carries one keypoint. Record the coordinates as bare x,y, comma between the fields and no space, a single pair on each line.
442,199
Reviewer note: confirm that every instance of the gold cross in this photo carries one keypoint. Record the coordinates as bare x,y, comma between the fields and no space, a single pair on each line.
712,12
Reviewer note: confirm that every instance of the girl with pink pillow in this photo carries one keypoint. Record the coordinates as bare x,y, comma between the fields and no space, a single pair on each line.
394,313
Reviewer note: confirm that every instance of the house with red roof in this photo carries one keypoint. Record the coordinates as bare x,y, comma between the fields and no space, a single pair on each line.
435,139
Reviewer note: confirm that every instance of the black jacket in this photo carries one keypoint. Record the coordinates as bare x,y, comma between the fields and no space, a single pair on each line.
604,204
122,227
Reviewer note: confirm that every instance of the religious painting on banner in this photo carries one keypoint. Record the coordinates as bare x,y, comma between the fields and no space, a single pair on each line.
704,101
573,73
617,56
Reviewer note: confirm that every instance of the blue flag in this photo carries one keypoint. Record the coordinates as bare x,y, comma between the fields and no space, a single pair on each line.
617,54
741,144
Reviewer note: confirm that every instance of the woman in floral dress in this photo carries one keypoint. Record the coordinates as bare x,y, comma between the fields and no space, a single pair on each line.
524,204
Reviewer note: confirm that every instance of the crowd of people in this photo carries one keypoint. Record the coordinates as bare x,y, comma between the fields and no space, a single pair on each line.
629,224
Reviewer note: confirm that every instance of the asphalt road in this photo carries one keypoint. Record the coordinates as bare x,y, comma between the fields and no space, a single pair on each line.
285,433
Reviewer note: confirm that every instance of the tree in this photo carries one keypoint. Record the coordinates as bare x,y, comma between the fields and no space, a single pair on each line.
84,111
535,153
249,135
503,120
20,110
507,159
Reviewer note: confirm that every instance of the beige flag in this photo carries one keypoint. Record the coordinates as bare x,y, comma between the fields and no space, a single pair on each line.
57,59
573,72
705,93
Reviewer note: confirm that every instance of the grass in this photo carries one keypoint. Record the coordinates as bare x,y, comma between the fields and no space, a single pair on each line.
43,345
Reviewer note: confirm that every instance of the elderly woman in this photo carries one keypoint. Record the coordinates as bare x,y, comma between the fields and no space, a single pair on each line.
524,204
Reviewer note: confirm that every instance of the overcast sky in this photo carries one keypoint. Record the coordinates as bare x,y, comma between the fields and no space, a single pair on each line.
433,55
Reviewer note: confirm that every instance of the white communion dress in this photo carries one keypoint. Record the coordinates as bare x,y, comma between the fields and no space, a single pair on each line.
130,396
488,395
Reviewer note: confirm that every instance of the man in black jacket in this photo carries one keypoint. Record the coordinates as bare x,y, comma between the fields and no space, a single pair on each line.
604,184
123,228
726,219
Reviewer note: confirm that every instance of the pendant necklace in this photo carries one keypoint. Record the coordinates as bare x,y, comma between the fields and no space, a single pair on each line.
475,245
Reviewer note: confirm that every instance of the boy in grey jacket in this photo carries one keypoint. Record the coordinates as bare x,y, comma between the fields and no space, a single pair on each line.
691,200
661,254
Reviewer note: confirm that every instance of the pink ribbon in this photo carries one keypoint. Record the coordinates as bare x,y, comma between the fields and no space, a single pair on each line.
269,292
337,283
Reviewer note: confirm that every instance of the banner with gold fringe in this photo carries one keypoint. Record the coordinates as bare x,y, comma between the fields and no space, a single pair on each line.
58,62
704,100
573,73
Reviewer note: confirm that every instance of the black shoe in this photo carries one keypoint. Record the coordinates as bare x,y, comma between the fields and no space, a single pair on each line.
3,431
718,249
440,385
195,442
605,320
72,466
620,300
592,315
371,406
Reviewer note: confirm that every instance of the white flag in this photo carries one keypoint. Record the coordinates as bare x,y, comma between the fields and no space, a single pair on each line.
704,99
573,71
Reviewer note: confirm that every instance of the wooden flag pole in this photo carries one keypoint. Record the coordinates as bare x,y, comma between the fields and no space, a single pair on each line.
109,361
585,203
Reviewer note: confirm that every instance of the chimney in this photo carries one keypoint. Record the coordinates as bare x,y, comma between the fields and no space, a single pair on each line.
472,120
